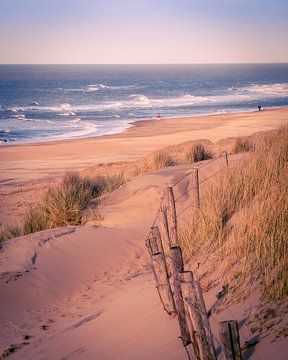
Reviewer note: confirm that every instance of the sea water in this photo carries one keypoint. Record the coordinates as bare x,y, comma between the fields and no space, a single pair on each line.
50,102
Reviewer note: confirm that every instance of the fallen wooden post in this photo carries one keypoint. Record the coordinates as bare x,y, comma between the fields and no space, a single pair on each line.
163,285
171,217
229,336
194,320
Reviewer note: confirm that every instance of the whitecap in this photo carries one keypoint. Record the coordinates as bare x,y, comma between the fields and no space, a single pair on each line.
65,106
70,113
75,121
271,90
91,89
14,109
21,116
96,87
140,98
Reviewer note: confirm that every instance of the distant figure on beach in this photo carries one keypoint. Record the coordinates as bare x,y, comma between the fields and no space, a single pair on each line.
158,116
259,107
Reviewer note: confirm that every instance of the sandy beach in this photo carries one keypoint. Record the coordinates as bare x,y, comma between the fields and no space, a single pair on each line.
43,160
88,292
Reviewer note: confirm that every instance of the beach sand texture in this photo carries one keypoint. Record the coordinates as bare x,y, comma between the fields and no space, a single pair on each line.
88,292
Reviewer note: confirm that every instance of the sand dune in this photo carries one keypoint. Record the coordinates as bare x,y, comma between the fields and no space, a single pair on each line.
88,292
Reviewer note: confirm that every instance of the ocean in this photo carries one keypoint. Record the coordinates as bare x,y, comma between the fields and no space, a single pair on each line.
54,102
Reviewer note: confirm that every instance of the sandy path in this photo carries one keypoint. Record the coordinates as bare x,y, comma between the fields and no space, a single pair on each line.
92,288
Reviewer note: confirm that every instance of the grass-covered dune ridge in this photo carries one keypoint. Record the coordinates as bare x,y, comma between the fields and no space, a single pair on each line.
63,204
243,219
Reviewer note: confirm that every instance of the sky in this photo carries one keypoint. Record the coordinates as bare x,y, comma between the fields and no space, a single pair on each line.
143,31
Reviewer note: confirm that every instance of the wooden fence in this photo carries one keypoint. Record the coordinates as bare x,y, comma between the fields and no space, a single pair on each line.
180,293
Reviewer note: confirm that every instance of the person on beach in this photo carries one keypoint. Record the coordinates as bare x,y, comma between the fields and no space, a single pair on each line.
259,107
158,116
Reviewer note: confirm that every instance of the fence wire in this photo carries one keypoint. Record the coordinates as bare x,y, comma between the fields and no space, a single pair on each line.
194,168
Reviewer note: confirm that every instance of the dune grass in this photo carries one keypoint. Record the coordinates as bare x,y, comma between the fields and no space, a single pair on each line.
10,232
64,204
197,153
244,219
154,161
243,144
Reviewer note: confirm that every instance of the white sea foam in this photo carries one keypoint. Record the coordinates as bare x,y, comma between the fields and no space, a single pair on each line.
70,113
20,117
96,87
65,106
140,98
76,121
15,109
229,97
271,90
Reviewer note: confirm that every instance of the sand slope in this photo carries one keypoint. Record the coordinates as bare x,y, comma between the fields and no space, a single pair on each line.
88,292
92,286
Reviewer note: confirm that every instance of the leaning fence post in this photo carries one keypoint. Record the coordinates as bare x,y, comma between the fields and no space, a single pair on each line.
175,281
194,318
197,190
156,235
171,215
226,158
202,308
151,245
229,336
165,239
163,285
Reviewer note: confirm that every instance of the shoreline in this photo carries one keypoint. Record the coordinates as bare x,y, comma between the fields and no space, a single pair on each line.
46,160
140,123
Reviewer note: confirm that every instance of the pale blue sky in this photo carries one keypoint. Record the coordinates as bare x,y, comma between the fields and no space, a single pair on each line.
143,31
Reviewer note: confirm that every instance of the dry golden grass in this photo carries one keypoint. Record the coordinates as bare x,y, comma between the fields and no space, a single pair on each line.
243,144
154,161
64,204
10,232
244,219
197,153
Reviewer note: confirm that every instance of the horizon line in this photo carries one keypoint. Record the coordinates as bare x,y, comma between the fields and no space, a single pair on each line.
184,63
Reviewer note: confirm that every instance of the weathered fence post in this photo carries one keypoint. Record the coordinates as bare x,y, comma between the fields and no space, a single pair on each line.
175,281
156,234
194,318
171,216
196,190
229,336
202,308
165,239
226,158
163,285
